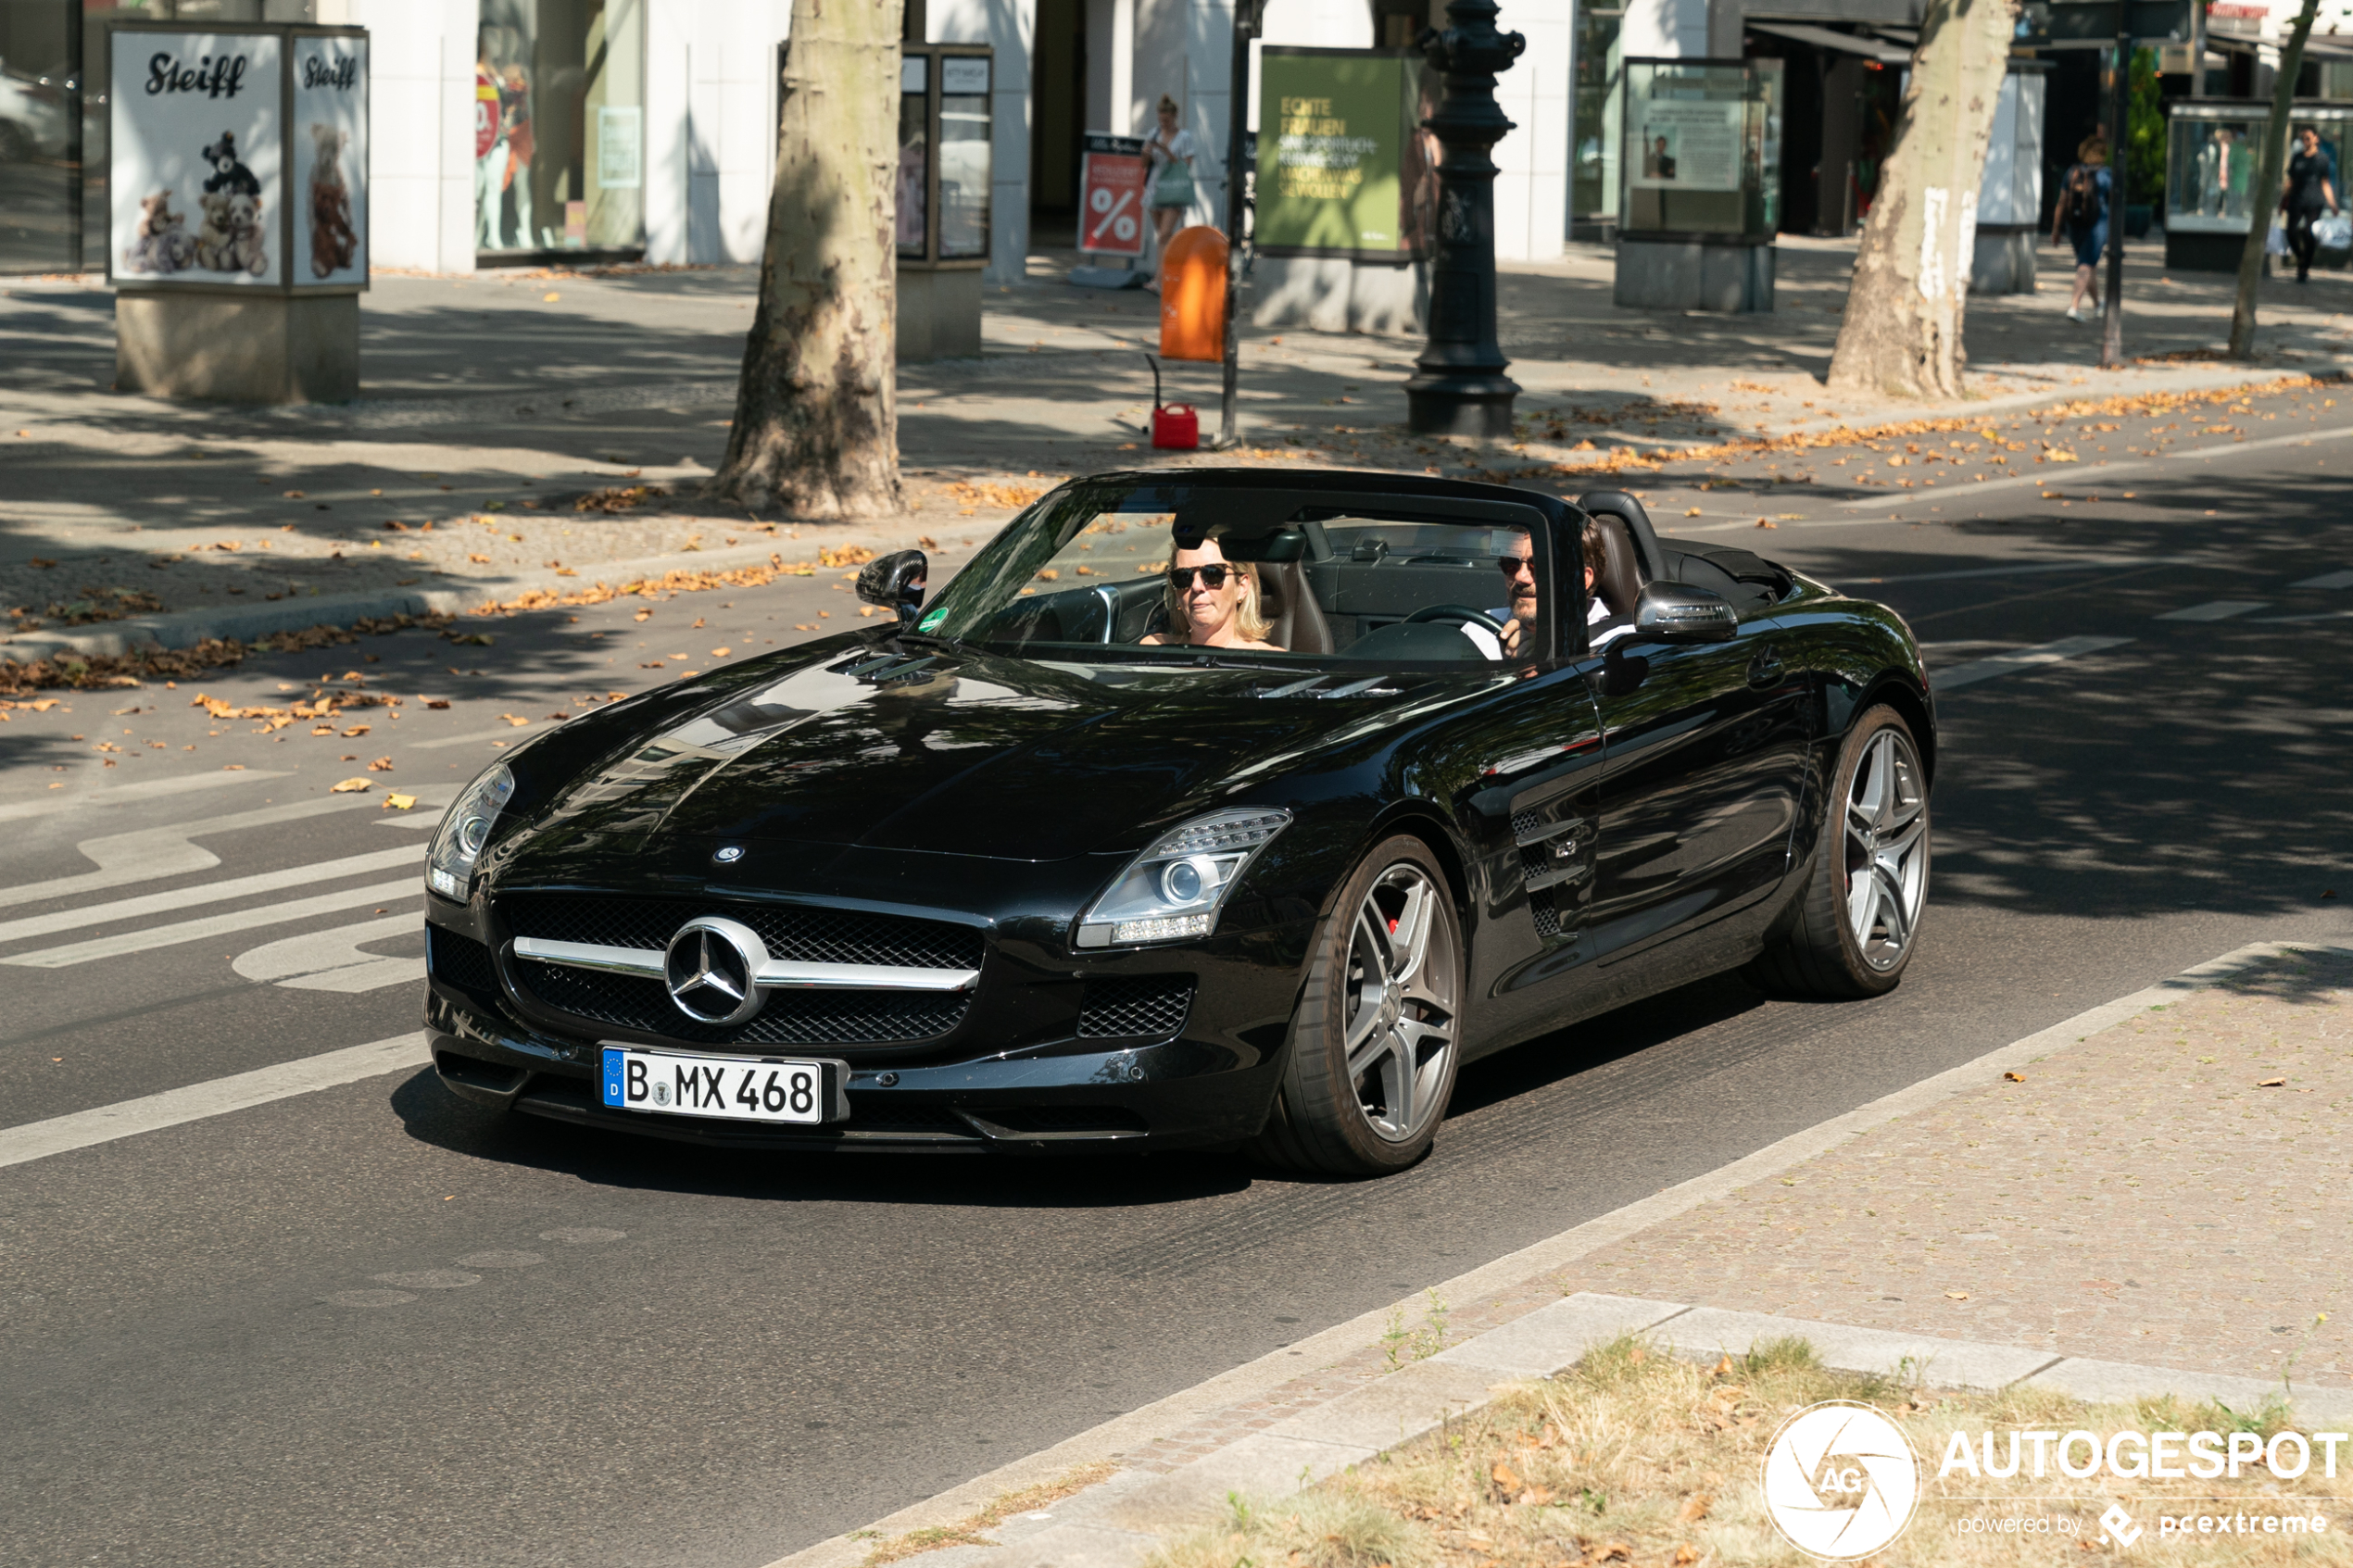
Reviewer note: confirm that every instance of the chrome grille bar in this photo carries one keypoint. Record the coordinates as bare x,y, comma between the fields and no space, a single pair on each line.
781,975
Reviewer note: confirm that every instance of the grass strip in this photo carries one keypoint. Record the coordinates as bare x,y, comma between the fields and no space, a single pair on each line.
968,1531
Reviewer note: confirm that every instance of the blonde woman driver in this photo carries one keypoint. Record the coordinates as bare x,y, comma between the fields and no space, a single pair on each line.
1171,152
1212,603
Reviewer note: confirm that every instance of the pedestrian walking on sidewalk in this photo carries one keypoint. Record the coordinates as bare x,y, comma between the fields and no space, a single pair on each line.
2309,190
2082,217
1171,153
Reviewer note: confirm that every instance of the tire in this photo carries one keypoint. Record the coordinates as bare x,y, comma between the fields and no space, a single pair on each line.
1388,973
1853,931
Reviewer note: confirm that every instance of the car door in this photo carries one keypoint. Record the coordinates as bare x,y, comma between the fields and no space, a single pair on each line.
1701,766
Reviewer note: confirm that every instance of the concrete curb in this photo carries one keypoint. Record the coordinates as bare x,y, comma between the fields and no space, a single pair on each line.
446,596
1103,1525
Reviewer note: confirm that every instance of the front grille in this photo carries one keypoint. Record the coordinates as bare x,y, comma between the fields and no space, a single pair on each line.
1062,1118
460,961
1125,1007
790,1018
798,935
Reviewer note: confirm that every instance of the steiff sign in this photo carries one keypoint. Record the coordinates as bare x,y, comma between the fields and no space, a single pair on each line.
239,157
237,199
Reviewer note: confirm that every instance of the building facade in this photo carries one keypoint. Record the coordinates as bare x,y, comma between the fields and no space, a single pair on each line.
521,132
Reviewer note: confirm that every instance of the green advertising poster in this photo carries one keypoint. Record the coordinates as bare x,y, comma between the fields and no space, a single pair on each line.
1344,168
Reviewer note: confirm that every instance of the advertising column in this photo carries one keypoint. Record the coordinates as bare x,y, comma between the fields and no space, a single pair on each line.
238,209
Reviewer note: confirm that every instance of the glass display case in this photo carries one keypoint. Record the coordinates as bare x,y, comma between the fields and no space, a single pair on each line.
1701,143
2213,146
945,166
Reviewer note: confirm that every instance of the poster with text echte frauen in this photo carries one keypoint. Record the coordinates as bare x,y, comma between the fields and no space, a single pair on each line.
1334,128
1689,144
197,137
327,128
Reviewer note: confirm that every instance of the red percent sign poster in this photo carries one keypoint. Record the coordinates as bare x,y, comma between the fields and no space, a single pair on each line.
1111,195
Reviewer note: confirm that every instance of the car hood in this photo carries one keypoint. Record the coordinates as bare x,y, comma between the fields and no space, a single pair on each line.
979,755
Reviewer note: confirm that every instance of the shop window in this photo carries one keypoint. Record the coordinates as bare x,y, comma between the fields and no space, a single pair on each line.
560,128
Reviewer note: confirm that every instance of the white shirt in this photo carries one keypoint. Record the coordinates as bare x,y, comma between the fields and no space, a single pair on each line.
1595,613
1176,148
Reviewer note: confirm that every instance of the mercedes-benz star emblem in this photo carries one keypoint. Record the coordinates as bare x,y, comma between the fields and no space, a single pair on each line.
712,969
728,854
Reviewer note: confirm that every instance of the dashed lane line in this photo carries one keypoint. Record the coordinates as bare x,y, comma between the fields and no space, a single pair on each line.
208,893
2214,609
220,925
2024,568
2017,659
2327,580
37,1140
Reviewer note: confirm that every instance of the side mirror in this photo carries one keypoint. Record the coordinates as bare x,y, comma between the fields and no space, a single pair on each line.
896,581
1672,612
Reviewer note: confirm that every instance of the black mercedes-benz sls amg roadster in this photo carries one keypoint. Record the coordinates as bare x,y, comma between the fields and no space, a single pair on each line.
1209,808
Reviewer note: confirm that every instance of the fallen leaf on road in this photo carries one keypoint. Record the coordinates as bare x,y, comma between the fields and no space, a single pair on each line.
348,787
2271,1082
356,730
437,702
1688,511
381,765
2014,1077
673,655
1506,1477
515,719
642,615
1956,1295
719,653
233,767
322,729
1766,523
399,802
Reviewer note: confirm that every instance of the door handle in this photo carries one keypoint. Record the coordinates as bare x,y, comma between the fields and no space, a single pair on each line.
1765,668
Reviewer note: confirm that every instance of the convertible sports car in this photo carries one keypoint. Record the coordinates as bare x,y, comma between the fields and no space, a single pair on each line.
1031,869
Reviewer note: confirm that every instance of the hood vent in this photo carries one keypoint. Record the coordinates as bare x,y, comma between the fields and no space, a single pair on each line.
1330,685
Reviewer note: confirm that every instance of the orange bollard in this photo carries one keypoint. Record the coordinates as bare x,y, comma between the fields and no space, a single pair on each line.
1192,296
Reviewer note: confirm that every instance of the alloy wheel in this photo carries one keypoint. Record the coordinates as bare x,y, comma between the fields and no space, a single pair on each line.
1886,849
1401,1010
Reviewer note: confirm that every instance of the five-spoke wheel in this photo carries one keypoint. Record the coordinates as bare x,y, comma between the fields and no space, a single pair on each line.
1853,930
1375,1042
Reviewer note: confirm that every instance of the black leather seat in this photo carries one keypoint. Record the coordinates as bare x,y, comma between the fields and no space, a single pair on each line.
1290,607
1618,583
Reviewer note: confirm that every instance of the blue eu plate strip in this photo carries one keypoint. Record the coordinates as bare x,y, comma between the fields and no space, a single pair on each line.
612,1077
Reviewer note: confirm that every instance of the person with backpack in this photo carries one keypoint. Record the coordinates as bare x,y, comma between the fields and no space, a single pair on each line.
2310,186
2082,216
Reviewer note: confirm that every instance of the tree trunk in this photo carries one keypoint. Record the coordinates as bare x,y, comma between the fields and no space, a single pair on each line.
816,427
1902,333
2267,182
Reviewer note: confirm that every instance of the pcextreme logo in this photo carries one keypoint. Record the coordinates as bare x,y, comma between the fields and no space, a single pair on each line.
1841,1480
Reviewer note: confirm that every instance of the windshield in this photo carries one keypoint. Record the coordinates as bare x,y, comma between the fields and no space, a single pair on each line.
1155,572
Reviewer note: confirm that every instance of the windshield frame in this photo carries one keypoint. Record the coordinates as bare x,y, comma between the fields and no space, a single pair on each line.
988,584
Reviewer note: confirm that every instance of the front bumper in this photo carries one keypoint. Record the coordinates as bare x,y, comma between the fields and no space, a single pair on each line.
1014,1075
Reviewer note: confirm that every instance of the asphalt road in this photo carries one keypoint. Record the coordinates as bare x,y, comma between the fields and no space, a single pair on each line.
583,1349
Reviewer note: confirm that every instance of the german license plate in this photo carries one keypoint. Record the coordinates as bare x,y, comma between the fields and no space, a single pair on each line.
731,1088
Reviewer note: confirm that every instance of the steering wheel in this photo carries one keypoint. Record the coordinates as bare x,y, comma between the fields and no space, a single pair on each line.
1457,612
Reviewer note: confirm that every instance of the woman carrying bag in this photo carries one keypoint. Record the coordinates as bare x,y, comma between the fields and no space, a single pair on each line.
2082,216
1171,153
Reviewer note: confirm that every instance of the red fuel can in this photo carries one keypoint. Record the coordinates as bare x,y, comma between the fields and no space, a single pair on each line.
1177,426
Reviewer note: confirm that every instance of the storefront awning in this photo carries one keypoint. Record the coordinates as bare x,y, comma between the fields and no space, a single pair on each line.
1826,38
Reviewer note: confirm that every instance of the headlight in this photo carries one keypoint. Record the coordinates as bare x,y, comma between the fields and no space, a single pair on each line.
1175,888
450,870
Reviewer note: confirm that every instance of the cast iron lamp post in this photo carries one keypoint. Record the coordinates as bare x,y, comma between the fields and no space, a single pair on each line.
1459,387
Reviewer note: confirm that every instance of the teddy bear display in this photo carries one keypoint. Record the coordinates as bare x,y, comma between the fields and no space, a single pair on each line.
228,174
231,239
332,241
162,246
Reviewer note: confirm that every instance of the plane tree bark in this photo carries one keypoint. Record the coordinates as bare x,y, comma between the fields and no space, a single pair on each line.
1902,332
816,426
2266,199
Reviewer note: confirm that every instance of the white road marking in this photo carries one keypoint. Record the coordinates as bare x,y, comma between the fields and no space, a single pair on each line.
331,961
211,892
151,854
2018,659
2214,609
2088,563
124,794
217,926
2327,580
467,739
37,1140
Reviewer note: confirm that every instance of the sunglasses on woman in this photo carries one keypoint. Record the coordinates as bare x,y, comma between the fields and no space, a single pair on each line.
1212,577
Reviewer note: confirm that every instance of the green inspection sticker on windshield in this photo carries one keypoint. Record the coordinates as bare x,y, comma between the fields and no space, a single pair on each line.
934,619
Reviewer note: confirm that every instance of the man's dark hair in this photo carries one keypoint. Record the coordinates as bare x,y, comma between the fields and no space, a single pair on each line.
1595,555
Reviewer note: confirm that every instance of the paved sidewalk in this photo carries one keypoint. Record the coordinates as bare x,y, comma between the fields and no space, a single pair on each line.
493,404
2140,1215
